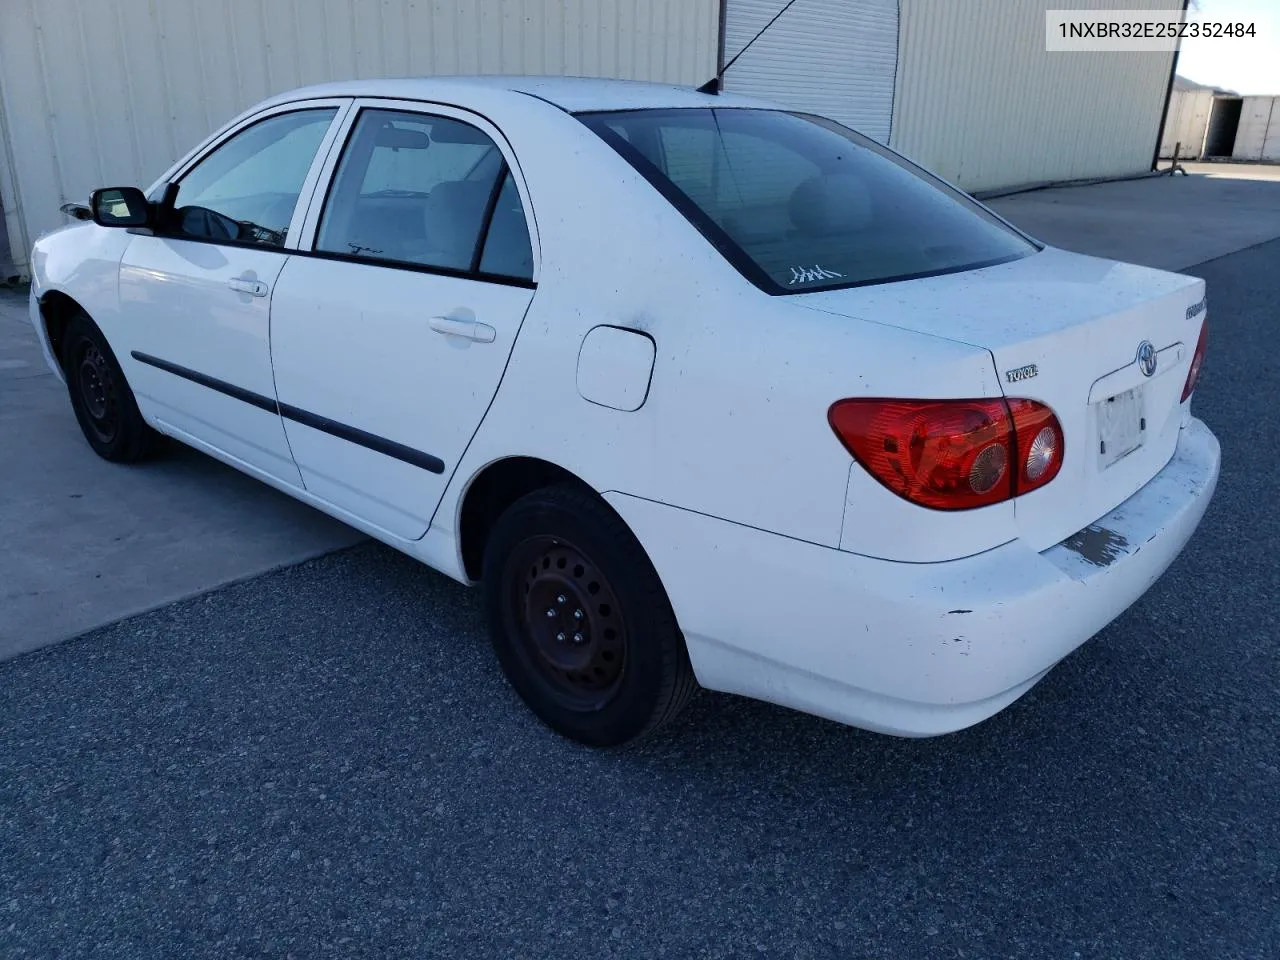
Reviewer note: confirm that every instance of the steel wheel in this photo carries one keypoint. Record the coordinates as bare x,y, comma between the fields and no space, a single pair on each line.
100,396
580,622
569,619
96,384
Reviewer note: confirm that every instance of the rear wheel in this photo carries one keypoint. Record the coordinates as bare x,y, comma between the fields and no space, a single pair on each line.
579,619
100,396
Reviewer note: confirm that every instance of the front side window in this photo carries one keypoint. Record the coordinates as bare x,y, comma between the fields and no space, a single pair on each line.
246,190
418,189
800,203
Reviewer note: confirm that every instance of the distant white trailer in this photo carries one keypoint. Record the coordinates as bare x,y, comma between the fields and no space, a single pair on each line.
1258,136
1187,124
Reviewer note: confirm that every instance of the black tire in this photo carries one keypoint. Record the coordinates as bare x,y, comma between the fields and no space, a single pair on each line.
100,396
621,670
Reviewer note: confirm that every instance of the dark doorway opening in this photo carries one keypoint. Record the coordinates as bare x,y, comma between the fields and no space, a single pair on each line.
1224,120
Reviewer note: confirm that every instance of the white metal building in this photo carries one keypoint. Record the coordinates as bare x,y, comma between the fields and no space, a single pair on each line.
111,91
1208,123
1188,120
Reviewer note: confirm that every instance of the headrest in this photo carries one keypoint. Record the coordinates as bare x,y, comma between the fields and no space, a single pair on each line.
837,203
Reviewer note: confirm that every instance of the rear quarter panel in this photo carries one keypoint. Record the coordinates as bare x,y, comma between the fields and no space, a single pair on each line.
735,422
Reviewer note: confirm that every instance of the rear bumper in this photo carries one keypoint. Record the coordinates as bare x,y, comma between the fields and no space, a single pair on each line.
913,649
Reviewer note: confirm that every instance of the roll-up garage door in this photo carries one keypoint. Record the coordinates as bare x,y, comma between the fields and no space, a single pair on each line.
837,58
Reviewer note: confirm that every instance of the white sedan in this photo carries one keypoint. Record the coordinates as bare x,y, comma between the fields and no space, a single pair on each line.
697,388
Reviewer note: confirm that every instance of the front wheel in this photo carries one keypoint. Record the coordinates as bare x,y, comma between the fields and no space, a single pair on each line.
580,622
100,396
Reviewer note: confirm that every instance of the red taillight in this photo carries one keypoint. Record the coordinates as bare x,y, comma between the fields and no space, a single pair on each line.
1040,445
952,454
1197,361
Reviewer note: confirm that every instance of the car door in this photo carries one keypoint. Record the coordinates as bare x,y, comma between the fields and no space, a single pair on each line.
195,296
391,334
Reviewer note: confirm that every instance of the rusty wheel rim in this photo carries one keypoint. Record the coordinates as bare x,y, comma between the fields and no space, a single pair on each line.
570,622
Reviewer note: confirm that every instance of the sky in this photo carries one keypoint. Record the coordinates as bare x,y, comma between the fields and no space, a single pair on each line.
1250,65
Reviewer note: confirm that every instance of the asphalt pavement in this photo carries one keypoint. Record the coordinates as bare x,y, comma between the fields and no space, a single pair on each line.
325,761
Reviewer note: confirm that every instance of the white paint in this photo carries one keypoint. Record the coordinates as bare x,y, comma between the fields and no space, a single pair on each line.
835,58
1077,319
1130,376
614,368
906,649
338,328
728,473
179,301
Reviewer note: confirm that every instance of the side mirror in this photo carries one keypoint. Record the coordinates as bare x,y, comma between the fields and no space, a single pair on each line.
120,207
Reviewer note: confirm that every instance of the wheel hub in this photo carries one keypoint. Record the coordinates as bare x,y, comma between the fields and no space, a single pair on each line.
570,618
96,388
92,383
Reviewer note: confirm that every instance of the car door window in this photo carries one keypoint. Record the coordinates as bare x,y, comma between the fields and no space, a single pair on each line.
417,189
246,190
506,246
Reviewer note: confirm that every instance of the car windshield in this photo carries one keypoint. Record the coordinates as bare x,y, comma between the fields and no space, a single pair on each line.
799,203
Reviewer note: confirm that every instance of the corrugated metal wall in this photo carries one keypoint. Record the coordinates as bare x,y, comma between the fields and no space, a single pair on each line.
1258,136
981,102
98,92
835,58
1187,124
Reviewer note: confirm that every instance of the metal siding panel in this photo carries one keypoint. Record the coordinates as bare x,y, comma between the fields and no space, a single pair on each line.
1194,122
69,87
830,57
32,160
280,43
1258,136
1252,132
1271,145
1180,104
79,113
981,102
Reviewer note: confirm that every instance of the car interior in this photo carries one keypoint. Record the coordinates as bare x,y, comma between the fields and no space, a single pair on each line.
395,199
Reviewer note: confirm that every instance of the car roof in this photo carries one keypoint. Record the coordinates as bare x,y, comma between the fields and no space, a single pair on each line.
574,94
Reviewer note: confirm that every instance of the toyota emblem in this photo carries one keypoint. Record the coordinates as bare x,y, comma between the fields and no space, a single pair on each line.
1146,358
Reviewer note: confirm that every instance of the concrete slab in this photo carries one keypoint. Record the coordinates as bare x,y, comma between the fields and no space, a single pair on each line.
1235,171
1167,222
84,542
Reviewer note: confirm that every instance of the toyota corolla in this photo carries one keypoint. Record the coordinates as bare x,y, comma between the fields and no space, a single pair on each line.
700,390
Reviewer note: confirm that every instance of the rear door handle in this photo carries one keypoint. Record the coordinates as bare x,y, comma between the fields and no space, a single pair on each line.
255,288
467,329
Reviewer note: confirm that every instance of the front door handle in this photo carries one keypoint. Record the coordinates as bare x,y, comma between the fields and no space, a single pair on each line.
467,329
255,288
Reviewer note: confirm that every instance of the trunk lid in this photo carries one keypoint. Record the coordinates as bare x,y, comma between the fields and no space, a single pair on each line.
1066,330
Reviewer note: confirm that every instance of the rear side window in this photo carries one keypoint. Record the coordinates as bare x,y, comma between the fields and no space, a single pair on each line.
423,190
799,203
506,246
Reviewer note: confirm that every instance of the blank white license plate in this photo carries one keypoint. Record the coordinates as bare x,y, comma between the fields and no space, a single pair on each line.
1120,426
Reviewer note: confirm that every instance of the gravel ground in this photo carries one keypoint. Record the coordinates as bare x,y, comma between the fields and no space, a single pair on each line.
325,761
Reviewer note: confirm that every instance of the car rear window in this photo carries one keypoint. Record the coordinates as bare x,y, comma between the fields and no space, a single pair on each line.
799,203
